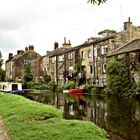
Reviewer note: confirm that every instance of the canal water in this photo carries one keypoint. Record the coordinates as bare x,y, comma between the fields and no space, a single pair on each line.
119,117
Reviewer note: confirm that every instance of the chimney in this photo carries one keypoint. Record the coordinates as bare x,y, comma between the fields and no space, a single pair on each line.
128,25
19,52
31,47
64,40
65,44
26,49
47,53
10,56
56,45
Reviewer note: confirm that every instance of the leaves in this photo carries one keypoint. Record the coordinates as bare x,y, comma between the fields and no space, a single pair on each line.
98,2
1,60
28,76
106,32
118,79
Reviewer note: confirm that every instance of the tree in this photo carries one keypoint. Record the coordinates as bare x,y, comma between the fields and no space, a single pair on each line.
98,2
78,66
106,32
118,78
2,72
1,60
28,76
47,78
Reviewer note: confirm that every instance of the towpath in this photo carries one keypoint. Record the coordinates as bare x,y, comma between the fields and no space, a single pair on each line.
3,132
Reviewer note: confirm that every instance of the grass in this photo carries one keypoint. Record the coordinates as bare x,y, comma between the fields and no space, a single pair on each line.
28,120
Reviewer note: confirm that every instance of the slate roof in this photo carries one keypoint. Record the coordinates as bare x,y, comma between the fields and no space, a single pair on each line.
131,46
62,50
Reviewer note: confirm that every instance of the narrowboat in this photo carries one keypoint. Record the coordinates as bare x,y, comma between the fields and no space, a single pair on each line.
10,87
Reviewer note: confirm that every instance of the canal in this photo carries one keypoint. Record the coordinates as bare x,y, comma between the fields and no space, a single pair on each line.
119,117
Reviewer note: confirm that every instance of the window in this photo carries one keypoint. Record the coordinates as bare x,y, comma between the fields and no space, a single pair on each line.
89,53
138,57
53,59
95,52
104,68
91,69
104,49
70,56
61,57
61,70
83,54
26,62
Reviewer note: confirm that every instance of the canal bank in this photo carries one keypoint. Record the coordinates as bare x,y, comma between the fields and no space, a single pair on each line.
26,119
118,116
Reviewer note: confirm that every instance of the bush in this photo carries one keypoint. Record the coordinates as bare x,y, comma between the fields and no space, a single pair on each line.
52,85
86,88
43,87
70,85
118,78
96,90
60,88
33,85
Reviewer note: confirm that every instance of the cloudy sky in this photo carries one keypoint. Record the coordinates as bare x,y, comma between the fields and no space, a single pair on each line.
42,22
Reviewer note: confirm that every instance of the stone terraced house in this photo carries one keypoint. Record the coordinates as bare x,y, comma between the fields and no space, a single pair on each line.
93,53
60,63
15,65
130,55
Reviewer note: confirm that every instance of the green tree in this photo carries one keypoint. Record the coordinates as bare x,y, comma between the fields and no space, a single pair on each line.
98,2
47,78
1,60
118,78
28,76
2,72
78,66
106,32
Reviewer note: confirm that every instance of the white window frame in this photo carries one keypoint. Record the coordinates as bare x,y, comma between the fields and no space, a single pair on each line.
61,58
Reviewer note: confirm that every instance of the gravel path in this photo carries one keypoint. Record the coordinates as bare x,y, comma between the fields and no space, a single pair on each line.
3,133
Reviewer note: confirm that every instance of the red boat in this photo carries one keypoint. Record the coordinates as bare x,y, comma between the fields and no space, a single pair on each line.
76,94
78,90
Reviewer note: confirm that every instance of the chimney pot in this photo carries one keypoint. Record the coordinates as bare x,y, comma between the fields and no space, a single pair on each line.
31,47
26,49
129,19
20,52
10,55
64,40
69,42
56,45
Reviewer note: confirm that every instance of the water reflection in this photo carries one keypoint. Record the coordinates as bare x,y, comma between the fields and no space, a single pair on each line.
120,117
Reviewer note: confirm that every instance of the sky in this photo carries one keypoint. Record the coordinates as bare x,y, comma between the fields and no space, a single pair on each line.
42,22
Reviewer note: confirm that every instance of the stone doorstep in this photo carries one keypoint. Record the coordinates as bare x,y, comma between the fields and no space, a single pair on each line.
3,132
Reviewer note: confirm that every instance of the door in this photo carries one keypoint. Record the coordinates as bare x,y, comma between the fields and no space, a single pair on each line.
14,87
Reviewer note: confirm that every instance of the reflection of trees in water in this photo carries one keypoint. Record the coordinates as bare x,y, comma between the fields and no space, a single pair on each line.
121,118
98,111
74,108
85,108
47,98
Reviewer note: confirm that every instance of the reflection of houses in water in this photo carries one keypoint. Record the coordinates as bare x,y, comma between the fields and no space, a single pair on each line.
121,118
83,109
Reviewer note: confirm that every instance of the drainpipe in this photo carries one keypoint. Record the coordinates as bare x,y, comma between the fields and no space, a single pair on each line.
57,70
65,68
93,67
